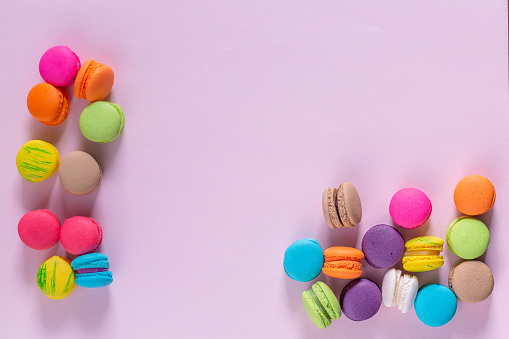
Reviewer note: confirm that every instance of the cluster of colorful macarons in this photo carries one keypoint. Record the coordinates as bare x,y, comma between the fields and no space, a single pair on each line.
79,236
79,172
383,246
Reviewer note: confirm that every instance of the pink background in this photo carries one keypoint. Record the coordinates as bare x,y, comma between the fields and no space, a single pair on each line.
238,115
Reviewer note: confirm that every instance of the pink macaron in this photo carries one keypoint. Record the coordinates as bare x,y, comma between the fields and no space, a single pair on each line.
39,229
81,235
59,66
410,208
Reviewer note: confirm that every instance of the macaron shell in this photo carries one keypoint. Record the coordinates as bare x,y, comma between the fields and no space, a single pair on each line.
37,160
303,260
467,237
330,211
360,299
79,173
94,280
342,262
435,305
349,205
59,66
314,311
55,278
328,299
410,208
48,104
418,263
474,195
90,260
408,293
383,246
471,281
39,229
80,235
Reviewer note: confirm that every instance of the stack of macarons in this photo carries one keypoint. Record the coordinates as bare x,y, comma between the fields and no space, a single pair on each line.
79,173
383,246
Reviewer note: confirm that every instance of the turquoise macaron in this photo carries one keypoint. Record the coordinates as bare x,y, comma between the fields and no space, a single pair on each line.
102,121
303,260
92,270
435,305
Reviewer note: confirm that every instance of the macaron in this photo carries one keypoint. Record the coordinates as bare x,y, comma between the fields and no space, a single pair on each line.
48,104
399,289
471,281
37,160
435,305
467,237
410,208
303,260
342,262
474,195
79,173
59,66
321,304
102,121
92,270
342,206
39,229
81,235
360,299
93,81
383,246
55,278
423,254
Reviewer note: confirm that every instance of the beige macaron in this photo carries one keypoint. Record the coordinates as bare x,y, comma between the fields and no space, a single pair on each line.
342,206
471,281
79,173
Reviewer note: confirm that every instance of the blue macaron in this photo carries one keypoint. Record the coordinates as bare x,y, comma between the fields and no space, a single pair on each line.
435,305
303,260
92,270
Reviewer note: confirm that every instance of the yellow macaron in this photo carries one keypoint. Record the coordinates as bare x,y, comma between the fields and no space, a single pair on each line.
423,254
37,160
56,278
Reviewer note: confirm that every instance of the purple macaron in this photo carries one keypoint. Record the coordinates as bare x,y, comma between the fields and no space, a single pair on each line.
383,246
360,299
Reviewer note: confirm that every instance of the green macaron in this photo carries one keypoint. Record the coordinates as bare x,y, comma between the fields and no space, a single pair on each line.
321,304
102,121
467,237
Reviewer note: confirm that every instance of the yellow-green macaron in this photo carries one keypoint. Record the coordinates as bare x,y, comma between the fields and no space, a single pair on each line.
55,278
423,254
467,237
37,160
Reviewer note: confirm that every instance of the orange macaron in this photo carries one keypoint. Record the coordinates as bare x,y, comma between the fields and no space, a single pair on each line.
48,104
342,262
474,195
94,81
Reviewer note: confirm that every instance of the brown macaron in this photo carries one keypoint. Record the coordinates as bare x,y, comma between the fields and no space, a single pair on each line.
471,281
342,206
79,173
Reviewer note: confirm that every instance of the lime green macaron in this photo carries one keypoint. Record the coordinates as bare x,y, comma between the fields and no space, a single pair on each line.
102,121
321,304
467,237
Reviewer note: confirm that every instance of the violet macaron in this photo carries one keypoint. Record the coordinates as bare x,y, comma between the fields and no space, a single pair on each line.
81,235
59,66
410,208
383,246
360,299
39,229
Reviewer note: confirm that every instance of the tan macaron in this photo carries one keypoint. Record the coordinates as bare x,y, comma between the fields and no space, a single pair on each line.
79,173
342,206
471,281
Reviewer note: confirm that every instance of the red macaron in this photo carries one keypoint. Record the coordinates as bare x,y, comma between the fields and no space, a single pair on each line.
39,229
81,235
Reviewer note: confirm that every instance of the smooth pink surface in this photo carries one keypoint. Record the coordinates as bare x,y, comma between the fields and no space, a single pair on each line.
39,229
410,208
59,65
81,235
239,114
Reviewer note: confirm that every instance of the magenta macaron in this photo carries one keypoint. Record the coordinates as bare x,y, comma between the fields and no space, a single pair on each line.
39,229
410,208
59,66
81,235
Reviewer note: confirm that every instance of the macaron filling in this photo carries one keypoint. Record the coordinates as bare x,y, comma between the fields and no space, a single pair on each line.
91,270
342,262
